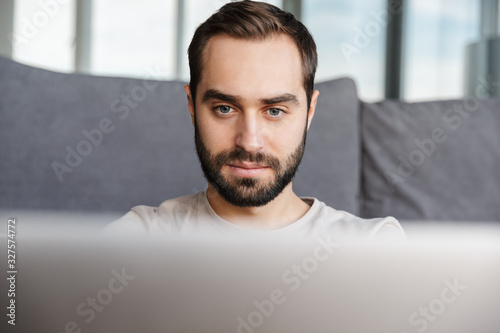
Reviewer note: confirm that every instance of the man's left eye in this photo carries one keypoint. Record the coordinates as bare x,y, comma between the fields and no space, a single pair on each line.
274,112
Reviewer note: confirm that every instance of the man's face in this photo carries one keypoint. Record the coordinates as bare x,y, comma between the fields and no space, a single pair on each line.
251,117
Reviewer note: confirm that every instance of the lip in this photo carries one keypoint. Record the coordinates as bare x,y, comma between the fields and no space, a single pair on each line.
247,165
244,169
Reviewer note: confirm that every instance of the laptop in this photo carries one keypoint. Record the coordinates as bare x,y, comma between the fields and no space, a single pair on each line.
444,279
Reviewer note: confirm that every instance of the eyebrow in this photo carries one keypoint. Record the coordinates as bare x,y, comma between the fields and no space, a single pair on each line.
216,94
281,99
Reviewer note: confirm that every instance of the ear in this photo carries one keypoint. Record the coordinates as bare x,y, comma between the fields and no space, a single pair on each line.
190,102
312,108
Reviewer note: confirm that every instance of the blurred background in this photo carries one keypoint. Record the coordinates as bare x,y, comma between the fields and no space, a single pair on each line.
412,50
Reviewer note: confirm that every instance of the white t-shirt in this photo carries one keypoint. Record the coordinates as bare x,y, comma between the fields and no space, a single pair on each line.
192,215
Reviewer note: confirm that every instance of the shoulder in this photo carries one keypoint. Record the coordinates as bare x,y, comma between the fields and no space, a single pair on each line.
348,225
132,223
146,219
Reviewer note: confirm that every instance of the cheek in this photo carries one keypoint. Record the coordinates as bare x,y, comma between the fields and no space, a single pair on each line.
286,137
214,136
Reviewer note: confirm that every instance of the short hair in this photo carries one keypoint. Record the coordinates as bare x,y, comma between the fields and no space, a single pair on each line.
258,21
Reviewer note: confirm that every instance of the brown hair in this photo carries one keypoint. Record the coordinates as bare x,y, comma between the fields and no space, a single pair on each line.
253,20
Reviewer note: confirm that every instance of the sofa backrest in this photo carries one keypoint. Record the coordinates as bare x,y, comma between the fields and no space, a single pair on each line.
79,142
432,160
331,167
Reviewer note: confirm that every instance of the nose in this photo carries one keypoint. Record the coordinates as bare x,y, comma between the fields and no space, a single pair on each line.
249,133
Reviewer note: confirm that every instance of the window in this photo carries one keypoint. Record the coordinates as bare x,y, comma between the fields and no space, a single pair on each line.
43,34
129,36
437,33
350,37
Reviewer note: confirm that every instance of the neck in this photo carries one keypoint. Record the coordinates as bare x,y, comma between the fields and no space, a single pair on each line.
285,209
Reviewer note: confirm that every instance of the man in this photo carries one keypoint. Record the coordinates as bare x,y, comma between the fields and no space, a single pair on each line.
251,101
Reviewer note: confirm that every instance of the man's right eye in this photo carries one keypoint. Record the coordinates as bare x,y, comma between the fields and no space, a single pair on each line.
224,109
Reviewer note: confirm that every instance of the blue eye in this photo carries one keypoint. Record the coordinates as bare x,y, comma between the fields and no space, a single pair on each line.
275,112
224,109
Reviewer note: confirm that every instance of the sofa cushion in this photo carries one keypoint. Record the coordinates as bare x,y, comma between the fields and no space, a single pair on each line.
79,142
330,169
432,160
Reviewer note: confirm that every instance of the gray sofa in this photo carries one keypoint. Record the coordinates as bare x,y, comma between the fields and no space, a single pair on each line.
79,143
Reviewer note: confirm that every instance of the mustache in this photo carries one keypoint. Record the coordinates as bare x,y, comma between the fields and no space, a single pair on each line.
241,155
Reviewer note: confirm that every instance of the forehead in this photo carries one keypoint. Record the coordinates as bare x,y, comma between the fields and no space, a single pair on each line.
252,68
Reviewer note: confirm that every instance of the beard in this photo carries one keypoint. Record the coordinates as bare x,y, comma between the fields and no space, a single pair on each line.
247,191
